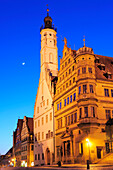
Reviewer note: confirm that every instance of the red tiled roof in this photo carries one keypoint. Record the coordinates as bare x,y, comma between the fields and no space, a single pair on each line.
108,62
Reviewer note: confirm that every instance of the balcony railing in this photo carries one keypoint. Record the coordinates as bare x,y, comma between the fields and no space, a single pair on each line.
51,27
88,120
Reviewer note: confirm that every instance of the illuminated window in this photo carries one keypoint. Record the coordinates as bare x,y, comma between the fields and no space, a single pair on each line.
91,88
85,88
84,70
86,111
106,92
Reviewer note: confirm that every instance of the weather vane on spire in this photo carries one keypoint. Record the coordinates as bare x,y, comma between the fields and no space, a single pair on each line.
84,40
47,10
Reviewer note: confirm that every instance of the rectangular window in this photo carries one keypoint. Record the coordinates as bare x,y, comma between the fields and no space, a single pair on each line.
65,121
42,135
92,111
73,79
47,102
38,156
79,90
42,156
66,85
32,147
111,93
74,96
57,106
64,102
85,88
90,70
73,68
38,136
91,88
75,117
60,105
35,156
35,137
58,150
35,124
80,116
50,116
106,92
37,109
78,72
86,111
42,120
46,118
108,114
112,113
84,70
72,118
71,99
68,120
70,82
38,123
68,100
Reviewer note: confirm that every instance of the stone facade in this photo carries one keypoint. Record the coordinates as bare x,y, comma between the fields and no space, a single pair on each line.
83,103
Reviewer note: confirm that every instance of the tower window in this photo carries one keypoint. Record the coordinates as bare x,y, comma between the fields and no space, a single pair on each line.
90,70
84,70
85,88
86,111
51,57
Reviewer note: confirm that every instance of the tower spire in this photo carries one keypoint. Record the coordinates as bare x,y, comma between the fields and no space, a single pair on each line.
47,10
84,40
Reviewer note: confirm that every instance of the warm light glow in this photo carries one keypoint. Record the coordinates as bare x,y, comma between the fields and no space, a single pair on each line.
87,140
12,159
32,163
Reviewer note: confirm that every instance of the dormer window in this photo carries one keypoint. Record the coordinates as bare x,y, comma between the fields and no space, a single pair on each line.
101,67
108,75
97,60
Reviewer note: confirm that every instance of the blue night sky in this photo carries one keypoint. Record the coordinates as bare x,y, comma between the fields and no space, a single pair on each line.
20,22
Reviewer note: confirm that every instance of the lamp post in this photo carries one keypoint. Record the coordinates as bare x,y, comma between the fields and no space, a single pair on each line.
88,161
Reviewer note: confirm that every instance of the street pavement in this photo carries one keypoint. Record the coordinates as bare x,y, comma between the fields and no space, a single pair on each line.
64,167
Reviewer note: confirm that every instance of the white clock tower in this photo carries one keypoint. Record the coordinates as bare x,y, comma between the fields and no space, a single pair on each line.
43,109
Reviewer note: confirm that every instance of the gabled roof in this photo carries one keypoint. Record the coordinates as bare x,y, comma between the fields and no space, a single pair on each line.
108,63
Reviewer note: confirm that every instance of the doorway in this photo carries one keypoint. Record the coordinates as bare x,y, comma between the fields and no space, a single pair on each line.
99,153
48,156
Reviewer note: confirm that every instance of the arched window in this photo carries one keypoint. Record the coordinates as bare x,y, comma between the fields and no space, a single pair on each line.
51,57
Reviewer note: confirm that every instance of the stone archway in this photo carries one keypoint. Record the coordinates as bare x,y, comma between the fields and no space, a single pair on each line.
48,156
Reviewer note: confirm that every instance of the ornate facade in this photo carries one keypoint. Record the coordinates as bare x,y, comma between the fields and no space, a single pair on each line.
83,103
